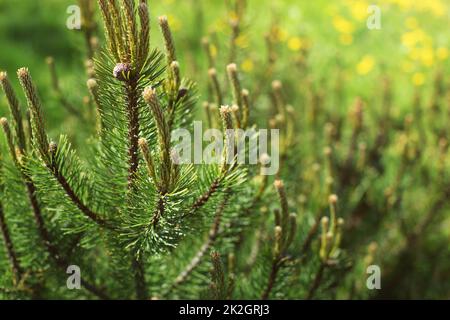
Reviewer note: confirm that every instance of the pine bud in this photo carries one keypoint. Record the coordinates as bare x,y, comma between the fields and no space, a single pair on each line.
122,71
14,108
235,111
332,199
34,105
92,84
234,83
168,39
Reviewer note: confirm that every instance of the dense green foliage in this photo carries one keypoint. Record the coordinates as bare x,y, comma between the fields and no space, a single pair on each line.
364,157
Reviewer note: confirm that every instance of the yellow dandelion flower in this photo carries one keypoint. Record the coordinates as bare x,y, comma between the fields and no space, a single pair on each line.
418,79
366,65
412,38
295,43
358,10
346,39
442,53
247,65
280,34
343,25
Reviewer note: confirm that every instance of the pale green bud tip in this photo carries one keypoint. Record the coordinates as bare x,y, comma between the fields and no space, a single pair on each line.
23,73
163,20
89,63
276,84
3,76
91,84
225,110
278,184
324,221
149,94
333,199
49,60
340,222
232,67
52,147
245,93
278,230
373,246
329,236
175,65
4,121
212,72
234,108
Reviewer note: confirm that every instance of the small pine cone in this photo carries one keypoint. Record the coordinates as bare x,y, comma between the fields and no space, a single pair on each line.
122,71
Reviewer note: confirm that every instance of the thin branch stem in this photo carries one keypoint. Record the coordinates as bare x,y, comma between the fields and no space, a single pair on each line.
17,269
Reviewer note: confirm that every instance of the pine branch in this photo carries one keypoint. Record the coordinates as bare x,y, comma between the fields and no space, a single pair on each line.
16,267
14,108
48,241
55,170
317,281
212,236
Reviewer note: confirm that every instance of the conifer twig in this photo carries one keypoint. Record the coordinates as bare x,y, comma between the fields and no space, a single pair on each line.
48,153
14,107
16,267
212,236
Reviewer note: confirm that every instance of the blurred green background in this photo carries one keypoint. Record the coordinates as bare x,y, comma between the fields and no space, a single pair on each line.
412,44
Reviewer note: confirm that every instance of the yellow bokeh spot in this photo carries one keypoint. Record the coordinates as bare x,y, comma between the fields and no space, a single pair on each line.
366,65
247,65
343,25
233,16
358,10
418,79
295,43
242,41
442,53
213,50
280,34
427,56
346,39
